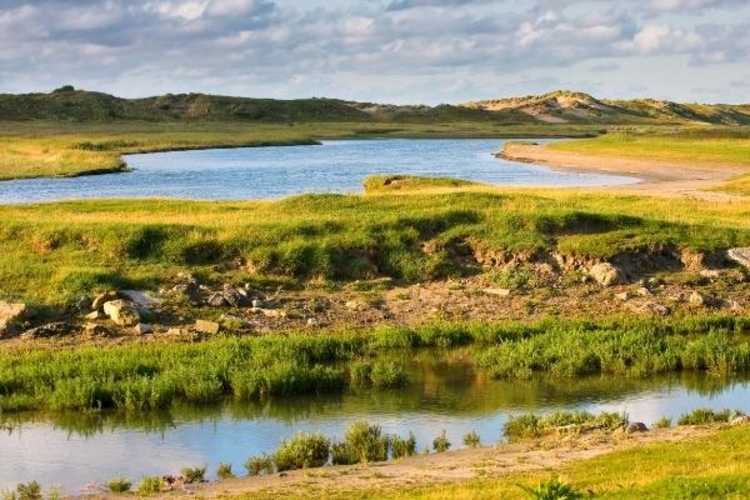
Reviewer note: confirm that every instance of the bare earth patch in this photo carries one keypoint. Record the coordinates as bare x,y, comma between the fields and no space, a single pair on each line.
659,178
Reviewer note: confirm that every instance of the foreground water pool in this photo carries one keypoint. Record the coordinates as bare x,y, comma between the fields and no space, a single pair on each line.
72,451
271,172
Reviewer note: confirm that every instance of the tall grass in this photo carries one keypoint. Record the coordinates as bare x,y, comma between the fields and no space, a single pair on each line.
141,377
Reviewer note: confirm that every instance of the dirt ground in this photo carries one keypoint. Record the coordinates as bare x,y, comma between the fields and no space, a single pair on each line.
658,178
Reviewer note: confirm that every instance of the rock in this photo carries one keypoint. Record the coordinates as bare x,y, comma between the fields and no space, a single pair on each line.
217,300
355,305
103,298
740,255
605,274
143,329
10,316
260,304
57,329
83,304
650,308
497,292
741,420
142,299
96,330
94,315
624,296
697,299
710,273
210,327
232,296
122,313
312,323
644,292
271,313
636,427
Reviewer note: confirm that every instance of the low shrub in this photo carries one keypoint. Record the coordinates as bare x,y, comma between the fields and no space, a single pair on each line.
663,423
343,454
401,447
367,442
119,485
27,491
441,444
194,474
553,489
255,466
224,471
151,485
303,451
533,426
472,440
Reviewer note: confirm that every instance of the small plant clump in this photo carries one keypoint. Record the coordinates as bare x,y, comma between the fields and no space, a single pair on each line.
554,489
194,474
367,442
255,466
704,416
224,471
472,440
25,491
533,426
663,423
401,447
441,444
303,451
119,485
151,485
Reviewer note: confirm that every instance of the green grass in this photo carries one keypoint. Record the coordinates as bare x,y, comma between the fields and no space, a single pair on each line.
533,426
140,377
702,146
51,254
716,466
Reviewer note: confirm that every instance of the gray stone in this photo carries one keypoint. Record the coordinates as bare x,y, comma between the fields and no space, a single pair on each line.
143,329
217,300
710,273
141,298
94,315
624,296
605,274
636,427
10,316
103,298
122,312
57,329
96,330
740,256
697,299
497,292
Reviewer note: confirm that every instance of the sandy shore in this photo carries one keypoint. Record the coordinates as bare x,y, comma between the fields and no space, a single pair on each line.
657,177
451,467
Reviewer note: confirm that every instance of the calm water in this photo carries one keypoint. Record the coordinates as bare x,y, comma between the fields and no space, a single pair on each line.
337,166
70,451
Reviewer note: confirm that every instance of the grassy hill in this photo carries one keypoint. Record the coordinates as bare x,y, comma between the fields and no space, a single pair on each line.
576,107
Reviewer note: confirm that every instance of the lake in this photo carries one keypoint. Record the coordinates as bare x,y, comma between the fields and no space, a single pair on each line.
71,450
272,172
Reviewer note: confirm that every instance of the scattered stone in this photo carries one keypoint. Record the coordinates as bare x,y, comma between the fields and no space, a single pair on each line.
83,304
644,292
497,292
142,299
57,329
122,313
270,313
355,305
624,296
143,329
10,316
217,300
697,299
209,327
312,323
740,256
94,315
636,427
232,295
96,330
650,308
605,274
260,304
175,332
98,303
710,273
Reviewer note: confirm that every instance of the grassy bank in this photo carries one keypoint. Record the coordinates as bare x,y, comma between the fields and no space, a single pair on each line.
705,467
705,146
51,254
41,149
153,376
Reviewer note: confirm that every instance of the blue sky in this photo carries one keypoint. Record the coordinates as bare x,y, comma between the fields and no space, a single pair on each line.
401,51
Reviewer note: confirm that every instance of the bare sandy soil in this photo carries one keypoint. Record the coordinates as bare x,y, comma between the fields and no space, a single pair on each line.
658,178
451,467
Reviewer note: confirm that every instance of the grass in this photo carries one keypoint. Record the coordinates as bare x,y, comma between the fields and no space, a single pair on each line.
706,146
51,254
56,148
705,416
716,466
140,377
533,426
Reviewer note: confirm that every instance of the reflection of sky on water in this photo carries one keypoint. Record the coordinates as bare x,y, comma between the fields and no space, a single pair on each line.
56,455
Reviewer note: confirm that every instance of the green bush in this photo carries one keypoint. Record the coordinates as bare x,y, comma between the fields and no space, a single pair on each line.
194,474
224,471
119,485
472,440
403,447
704,416
343,454
27,491
255,466
663,423
151,485
533,426
441,444
553,489
367,442
303,451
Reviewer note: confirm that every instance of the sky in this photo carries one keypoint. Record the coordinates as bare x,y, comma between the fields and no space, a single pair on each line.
397,51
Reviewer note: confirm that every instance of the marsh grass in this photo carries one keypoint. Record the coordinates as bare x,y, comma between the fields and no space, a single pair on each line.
119,485
302,451
401,448
255,466
194,474
441,444
224,471
705,416
150,486
472,440
534,426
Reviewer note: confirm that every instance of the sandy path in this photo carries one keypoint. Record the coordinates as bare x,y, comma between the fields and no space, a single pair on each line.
657,177
451,467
